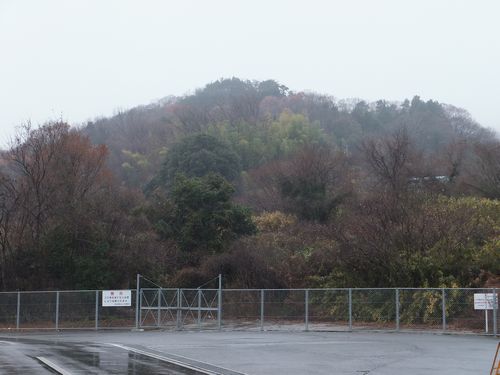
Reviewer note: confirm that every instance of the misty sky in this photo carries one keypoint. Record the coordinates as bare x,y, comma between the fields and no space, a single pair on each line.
82,59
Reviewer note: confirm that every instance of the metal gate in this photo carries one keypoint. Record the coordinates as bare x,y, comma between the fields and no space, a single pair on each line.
180,308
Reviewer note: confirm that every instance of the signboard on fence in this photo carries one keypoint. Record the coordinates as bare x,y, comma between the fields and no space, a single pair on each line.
484,301
114,298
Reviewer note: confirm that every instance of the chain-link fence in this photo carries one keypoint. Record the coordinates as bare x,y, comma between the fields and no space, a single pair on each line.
444,310
75,309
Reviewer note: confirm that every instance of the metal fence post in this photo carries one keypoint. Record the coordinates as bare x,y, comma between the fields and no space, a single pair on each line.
495,312
219,304
140,308
262,309
179,303
307,309
199,309
57,310
444,308
96,310
137,299
350,309
158,321
18,313
397,309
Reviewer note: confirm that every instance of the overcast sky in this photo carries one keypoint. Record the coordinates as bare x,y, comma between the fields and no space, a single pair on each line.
82,59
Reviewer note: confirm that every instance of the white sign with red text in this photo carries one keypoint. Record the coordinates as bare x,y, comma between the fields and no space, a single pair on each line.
485,301
113,298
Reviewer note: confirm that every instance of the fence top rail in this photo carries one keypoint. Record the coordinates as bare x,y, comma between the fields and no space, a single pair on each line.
176,289
52,291
254,290
353,289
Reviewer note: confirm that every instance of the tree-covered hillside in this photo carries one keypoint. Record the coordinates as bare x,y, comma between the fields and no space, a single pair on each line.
265,121
271,188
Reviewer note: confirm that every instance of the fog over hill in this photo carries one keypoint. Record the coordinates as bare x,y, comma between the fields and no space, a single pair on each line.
79,59
243,112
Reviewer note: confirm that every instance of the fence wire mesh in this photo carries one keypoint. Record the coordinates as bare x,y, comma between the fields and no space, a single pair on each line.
328,309
37,310
77,309
422,309
461,315
373,309
241,308
117,317
8,310
284,309
446,310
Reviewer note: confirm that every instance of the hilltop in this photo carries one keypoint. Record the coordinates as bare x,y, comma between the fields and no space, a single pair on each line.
265,121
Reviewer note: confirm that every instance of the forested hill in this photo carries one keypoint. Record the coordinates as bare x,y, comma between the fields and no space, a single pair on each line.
265,121
271,188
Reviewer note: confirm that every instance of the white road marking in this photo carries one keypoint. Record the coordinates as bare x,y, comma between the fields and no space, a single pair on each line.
173,361
53,366
7,342
205,363
165,359
275,343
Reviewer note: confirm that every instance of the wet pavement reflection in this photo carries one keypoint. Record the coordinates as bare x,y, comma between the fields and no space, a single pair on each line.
19,356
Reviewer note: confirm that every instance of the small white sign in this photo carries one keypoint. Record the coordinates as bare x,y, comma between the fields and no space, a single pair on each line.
484,301
111,298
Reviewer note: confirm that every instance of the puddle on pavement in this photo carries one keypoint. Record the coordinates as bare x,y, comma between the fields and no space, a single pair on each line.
91,359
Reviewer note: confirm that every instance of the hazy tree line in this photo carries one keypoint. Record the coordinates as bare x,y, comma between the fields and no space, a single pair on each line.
269,187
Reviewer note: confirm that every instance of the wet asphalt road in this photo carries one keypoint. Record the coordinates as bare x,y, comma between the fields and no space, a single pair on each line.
244,352
19,356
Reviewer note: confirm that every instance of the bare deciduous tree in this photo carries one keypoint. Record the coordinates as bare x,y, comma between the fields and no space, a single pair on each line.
484,174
